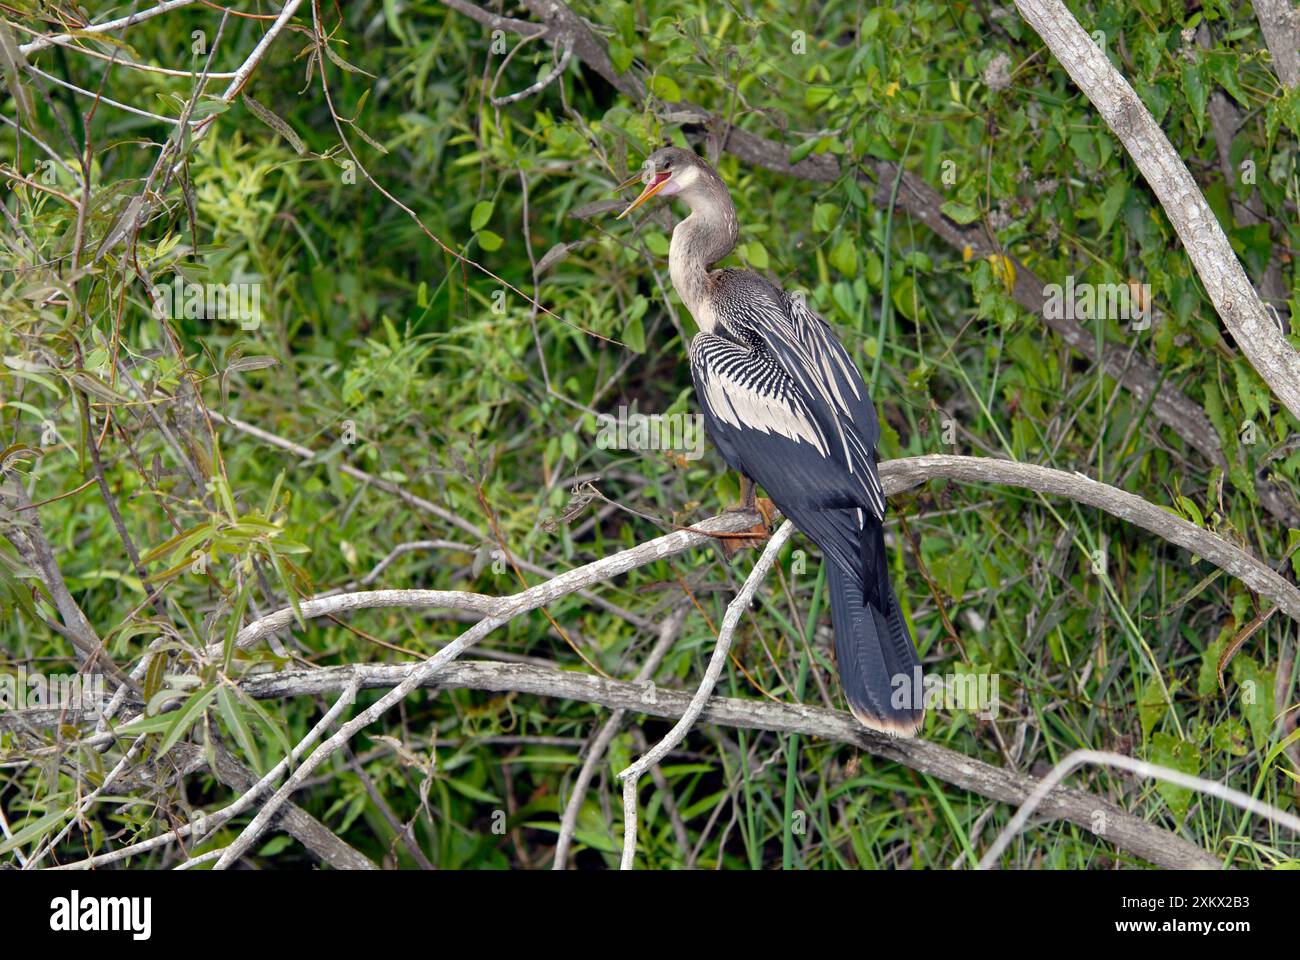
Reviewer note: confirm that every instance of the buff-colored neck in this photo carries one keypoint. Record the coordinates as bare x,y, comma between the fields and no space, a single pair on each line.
701,240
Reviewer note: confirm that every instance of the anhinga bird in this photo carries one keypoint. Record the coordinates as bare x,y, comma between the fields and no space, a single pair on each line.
788,409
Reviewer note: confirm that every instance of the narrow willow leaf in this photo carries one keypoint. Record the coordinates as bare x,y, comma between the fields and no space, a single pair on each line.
33,830
275,123
187,716
343,64
233,714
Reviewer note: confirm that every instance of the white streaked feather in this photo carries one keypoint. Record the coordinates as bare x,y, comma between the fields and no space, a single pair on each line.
802,335
776,365
742,404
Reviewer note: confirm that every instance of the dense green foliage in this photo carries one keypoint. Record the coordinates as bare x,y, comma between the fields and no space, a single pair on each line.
403,342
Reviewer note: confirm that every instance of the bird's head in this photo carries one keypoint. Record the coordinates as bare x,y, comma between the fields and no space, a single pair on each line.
672,171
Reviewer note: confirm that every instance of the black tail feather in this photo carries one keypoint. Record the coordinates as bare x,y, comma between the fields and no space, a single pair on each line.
878,665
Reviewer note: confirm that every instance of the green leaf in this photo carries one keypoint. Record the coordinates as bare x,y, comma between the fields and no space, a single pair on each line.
824,217
184,541
756,254
278,563
275,123
471,791
1196,91
1255,696
187,716
1191,511
620,56
634,335
33,830
343,64
271,725
816,96
233,715
482,213
959,212
952,571
1168,750
903,294
489,241
1232,738
844,257
1152,706
1111,205
801,151
232,626
1226,66
665,88
275,844
656,243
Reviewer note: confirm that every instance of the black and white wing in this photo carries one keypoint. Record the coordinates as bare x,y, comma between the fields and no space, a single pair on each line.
781,328
764,426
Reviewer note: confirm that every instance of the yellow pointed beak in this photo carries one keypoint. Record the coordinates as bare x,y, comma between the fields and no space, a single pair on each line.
659,181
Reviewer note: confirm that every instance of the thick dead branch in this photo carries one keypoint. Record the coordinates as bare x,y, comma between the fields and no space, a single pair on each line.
1281,27
319,839
1092,813
903,473
507,607
1226,283
896,475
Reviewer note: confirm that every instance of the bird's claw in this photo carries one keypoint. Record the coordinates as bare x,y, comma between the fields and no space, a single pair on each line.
755,535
